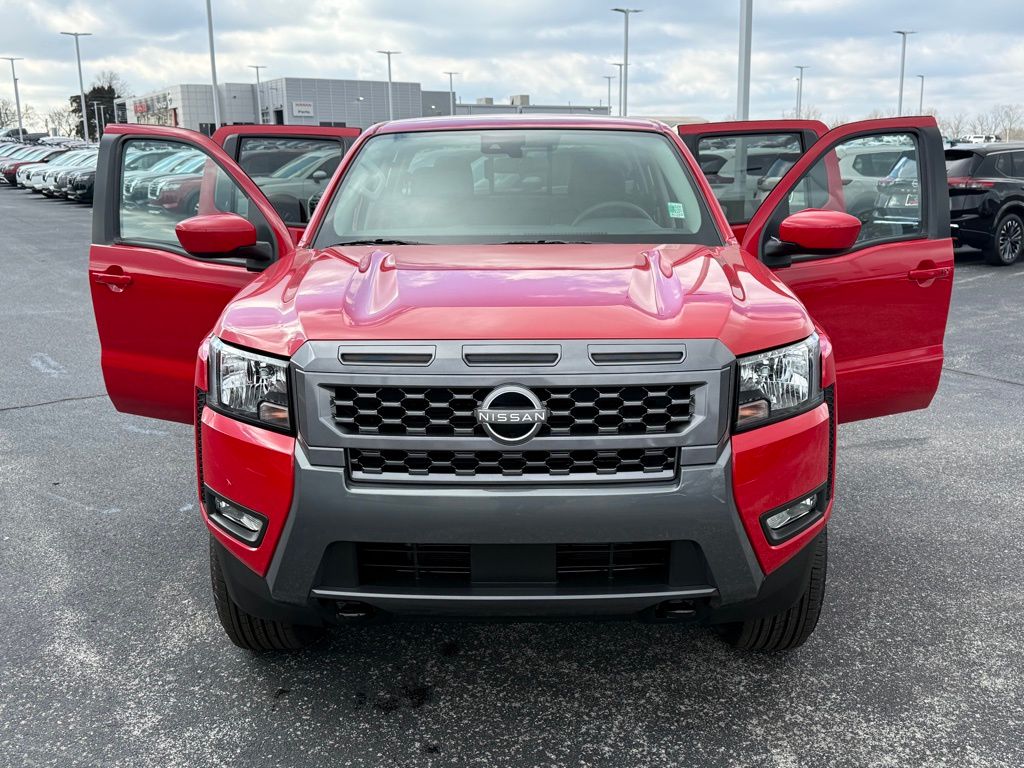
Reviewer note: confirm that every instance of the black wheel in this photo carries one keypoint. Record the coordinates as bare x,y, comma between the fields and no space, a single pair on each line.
790,628
251,632
191,205
1008,241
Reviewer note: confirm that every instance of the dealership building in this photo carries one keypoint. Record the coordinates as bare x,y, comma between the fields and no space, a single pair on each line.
314,101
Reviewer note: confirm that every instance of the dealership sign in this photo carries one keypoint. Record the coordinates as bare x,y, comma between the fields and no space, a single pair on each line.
302,109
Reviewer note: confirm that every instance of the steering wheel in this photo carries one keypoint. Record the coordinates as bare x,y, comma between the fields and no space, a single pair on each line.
589,212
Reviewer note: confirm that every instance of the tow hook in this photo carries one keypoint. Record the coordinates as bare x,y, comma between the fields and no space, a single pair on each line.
676,609
350,610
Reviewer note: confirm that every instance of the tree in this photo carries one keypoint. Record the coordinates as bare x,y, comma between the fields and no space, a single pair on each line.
985,123
8,113
955,125
1009,116
63,121
99,94
108,78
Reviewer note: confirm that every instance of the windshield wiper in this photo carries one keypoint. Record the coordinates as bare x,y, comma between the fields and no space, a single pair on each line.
379,241
545,242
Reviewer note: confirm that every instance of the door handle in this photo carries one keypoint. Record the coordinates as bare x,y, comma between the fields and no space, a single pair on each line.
934,273
115,281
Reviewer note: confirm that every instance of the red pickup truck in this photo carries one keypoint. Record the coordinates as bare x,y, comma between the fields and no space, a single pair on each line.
527,366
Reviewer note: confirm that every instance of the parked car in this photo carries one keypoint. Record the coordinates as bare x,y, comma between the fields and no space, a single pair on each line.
899,192
986,196
9,168
80,183
138,183
979,138
30,176
567,390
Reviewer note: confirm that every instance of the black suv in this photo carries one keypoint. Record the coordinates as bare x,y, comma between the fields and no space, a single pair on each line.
986,199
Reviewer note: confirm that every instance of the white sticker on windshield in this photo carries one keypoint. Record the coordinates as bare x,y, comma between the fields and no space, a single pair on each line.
676,210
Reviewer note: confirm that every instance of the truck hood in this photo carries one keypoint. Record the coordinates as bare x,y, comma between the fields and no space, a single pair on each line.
601,291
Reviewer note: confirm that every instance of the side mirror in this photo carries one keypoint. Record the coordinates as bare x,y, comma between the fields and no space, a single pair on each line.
319,176
219,235
820,231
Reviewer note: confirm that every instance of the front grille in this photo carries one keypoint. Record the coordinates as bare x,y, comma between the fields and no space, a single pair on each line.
574,411
638,462
574,565
621,564
424,565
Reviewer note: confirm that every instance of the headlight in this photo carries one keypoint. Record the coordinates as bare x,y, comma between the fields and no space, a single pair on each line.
249,386
779,383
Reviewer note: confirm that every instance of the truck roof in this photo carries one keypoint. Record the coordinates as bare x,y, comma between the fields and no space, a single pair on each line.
476,122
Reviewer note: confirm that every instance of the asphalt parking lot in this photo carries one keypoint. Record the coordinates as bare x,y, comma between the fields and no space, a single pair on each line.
111,654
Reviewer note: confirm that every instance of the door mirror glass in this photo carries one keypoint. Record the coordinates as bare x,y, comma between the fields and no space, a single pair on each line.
215,234
818,231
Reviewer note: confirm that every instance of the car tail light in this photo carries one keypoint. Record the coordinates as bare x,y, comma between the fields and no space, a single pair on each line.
966,182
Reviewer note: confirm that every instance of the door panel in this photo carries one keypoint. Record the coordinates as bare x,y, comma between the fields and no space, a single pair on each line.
884,302
769,147
153,302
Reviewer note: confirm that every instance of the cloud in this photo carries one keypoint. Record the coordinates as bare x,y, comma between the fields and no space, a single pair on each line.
683,54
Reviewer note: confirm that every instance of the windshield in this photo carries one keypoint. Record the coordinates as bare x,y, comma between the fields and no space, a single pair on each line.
501,186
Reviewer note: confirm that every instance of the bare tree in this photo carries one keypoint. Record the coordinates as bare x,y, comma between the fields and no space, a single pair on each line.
62,120
8,113
985,123
878,114
836,120
108,78
954,126
1010,116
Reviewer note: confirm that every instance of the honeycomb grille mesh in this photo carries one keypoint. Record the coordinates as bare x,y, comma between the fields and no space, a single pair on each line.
574,411
504,464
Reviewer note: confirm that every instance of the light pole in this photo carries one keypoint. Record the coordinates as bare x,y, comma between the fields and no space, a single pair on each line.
609,78
96,115
17,98
259,102
391,107
213,66
81,84
743,69
619,65
920,102
800,89
624,106
451,92
903,64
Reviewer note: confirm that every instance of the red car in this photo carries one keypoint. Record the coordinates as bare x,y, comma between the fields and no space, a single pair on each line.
524,366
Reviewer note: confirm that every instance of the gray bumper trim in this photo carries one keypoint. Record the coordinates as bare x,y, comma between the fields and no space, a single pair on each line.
696,506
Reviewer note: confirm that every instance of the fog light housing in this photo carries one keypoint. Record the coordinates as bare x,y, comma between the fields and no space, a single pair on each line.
788,520
234,519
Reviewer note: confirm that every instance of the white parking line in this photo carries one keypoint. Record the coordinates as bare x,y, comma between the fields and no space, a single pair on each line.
982,276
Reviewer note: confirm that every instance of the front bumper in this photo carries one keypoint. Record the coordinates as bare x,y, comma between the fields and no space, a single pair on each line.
317,516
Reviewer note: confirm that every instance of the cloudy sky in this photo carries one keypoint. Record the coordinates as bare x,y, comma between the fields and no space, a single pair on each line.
683,52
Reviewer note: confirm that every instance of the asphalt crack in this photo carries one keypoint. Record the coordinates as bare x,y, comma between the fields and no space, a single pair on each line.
1011,382
49,402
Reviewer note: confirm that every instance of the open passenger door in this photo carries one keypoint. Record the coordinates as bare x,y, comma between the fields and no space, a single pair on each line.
292,164
155,300
744,159
884,301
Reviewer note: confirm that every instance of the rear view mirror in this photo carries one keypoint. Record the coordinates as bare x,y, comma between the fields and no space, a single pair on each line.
219,235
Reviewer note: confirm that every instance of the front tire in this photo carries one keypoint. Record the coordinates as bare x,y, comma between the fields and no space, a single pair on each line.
788,629
1007,242
251,632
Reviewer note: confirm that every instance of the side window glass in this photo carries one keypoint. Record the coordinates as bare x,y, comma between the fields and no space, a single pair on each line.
181,182
888,205
1018,165
290,171
742,170
1004,164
